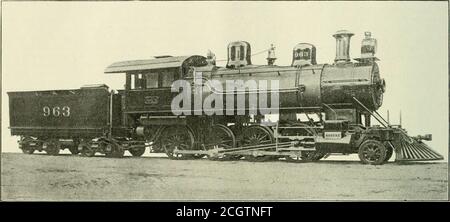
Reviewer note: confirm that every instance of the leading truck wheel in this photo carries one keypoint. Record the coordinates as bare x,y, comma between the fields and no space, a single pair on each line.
372,152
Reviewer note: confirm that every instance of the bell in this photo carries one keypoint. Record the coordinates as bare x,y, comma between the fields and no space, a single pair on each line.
271,55
210,58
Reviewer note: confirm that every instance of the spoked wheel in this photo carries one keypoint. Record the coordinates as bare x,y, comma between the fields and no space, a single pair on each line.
372,152
177,137
74,147
257,135
137,152
52,147
24,145
86,149
220,136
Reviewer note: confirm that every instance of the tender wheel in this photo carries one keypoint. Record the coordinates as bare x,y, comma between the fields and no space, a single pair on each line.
52,147
220,136
24,145
389,151
372,152
28,151
114,150
257,135
86,149
137,151
177,137
74,147
74,150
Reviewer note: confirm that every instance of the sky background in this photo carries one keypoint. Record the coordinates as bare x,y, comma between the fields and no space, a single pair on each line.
64,45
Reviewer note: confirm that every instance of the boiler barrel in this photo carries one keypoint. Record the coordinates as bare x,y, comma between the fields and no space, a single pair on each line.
308,87
337,85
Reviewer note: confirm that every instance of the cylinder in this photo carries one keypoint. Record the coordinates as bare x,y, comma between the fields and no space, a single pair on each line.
342,46
142,131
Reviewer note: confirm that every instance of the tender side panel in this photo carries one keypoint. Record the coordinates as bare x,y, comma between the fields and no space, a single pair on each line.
63,113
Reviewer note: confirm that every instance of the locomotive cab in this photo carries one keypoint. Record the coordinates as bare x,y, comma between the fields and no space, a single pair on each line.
148,82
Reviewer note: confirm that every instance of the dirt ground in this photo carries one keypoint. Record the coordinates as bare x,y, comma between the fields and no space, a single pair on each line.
65,177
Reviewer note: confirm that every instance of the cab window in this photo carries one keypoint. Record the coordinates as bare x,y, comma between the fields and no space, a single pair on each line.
167,78
136,81
139,81
151,80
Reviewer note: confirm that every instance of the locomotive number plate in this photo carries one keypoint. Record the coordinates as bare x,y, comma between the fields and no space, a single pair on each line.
56,111
151,100
333,135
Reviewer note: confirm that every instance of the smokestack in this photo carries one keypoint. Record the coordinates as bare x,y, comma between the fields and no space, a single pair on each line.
342,46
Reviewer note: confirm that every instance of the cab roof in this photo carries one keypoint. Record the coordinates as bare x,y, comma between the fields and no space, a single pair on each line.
159,62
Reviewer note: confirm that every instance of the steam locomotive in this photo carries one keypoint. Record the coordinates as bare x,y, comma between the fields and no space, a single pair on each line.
322,109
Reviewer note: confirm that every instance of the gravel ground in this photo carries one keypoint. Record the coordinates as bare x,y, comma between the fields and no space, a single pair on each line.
65,177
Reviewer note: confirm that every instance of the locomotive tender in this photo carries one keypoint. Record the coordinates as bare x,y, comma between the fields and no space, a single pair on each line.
338,101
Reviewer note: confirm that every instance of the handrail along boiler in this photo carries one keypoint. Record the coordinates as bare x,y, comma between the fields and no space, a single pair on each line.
337,102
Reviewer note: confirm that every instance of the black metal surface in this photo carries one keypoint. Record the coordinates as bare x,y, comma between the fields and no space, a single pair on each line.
81,112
